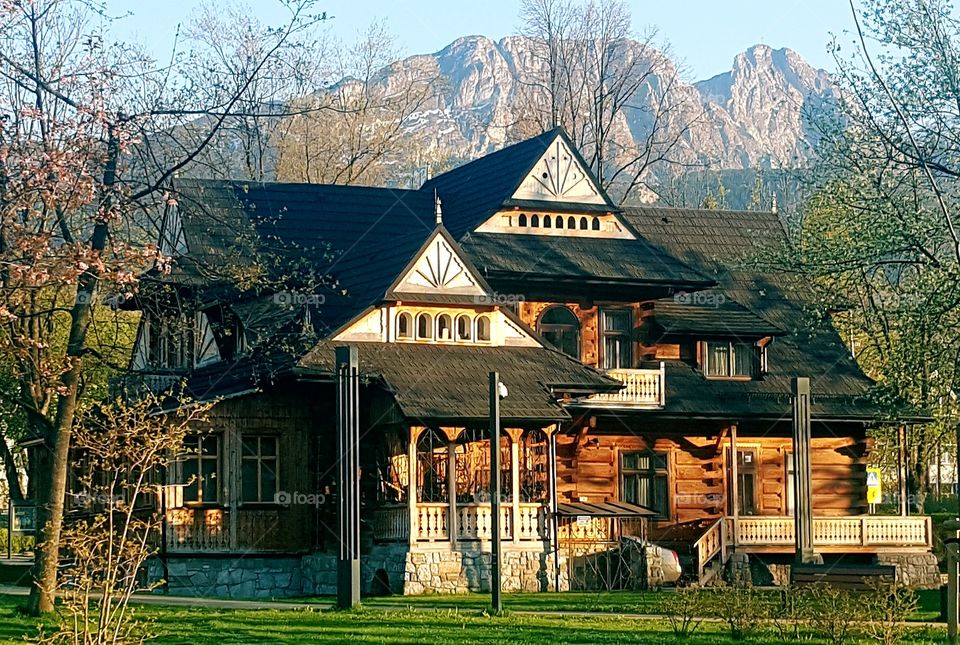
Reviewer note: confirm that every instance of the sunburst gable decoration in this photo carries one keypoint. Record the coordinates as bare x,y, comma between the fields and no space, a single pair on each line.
439,268
559,176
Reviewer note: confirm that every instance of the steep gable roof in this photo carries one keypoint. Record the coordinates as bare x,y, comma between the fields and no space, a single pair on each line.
474,191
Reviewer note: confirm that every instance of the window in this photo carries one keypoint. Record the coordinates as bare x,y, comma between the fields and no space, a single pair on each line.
201,469
571,222
404,325
616,325
644,480
483,328
424,326
583,223
559,221
444,327
746,482
535,221
463,327
170,341
596,223
547,221
258,472
522,220
560,327
728,359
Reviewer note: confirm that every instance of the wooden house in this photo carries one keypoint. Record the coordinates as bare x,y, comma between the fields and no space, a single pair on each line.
648,370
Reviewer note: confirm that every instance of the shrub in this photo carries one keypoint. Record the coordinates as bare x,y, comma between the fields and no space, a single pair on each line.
741,608
684,610
791,612
890,606
836,613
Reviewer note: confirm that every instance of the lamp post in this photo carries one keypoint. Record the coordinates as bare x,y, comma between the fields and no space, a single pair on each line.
497,391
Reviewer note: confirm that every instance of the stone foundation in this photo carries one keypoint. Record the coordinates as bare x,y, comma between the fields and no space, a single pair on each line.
915,570
235,577
386,568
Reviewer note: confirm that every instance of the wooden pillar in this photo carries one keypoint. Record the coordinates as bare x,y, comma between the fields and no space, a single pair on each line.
414,530
735,482
231,448
452,434
495,580
902,469
553,532
515,435
803,497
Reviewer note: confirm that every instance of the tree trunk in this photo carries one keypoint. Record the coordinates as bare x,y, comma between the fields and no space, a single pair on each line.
51,501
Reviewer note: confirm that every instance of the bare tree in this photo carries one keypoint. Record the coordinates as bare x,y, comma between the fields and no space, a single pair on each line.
618,96
352,132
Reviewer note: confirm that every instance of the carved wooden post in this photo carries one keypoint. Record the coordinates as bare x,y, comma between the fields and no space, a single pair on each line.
515,434
348,449
552,531
902,476
495,581
415,432
735,482
452,434
803,494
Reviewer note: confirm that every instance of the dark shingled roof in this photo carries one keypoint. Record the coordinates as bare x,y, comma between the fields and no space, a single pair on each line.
720,244
450,382
685,315
583,258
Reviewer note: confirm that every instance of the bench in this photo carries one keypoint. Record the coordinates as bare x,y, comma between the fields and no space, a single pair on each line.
859,577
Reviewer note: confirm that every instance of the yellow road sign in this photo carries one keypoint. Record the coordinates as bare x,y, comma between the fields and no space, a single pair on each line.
874,487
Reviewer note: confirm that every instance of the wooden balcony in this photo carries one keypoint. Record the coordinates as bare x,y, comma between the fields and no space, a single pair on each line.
207,530
643,389
850,534
432,523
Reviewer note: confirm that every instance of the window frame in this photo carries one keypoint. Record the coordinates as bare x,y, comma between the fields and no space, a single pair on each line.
260,458
406,315
549,328
627,336
199,457
476,334
429,326
653,472
731,375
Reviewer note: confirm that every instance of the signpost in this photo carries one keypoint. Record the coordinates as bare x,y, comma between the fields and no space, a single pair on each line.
874,488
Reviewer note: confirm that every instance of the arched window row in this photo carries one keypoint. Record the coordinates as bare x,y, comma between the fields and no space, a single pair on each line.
571,222
444,327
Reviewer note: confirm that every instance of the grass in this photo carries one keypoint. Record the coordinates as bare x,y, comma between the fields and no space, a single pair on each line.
460,622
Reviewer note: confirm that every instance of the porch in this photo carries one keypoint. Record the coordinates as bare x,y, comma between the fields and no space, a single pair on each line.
520,522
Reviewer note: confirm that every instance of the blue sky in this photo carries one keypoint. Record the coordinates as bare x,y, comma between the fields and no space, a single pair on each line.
706,34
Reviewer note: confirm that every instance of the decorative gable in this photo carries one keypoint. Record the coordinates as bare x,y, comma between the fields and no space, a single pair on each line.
439,269
560,176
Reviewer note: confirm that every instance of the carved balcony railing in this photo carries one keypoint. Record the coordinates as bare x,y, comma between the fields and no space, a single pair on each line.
432,522
643,388
206,530
861,531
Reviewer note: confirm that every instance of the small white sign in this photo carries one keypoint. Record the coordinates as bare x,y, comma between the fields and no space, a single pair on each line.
583,520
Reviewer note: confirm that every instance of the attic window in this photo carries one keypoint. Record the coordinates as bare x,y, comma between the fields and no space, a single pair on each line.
404,325
535,221
596,223
559,221
463,327
444,327
583,224
522,220
483,328
547,221
571,222
424,327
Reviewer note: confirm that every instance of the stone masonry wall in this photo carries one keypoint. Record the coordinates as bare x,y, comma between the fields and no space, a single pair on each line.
915,570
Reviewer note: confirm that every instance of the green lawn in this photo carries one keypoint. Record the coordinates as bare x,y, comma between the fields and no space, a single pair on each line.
371,625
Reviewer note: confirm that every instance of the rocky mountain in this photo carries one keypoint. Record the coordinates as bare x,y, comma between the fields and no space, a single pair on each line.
748,118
